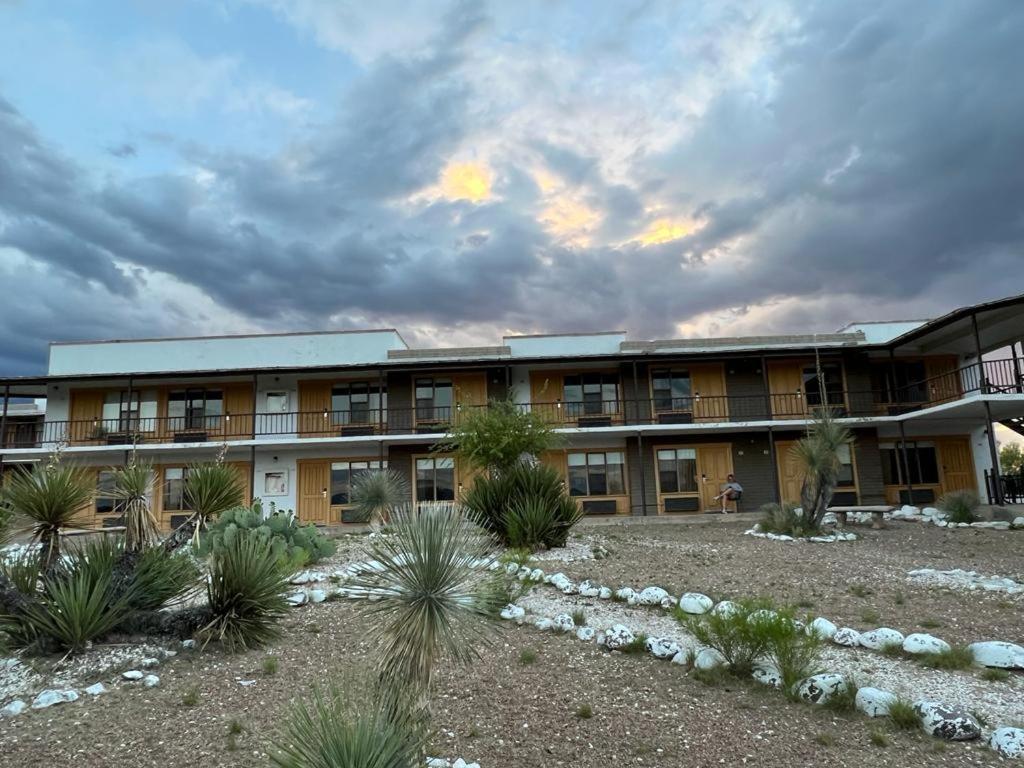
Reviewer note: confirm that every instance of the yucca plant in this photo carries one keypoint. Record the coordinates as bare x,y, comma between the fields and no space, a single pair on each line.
375,493
244,594
46,499
159,579
132,491
960,506
210,489
818,454
427,590
348,729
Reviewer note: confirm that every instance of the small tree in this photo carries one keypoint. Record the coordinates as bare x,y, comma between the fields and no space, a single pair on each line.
133,489
497,437
1011,459
818,453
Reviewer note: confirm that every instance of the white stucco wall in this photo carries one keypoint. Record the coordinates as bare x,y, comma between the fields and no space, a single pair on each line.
223,353
559,346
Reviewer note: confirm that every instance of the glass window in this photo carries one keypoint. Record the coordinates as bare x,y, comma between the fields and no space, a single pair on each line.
195,408
358,402
596,473
122,413
435,479
343,473
828,390
922,459
677,470
174,489
845,477
672,390
105,502
434,399
900,381
589,394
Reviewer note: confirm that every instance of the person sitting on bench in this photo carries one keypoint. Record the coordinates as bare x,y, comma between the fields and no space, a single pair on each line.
731,491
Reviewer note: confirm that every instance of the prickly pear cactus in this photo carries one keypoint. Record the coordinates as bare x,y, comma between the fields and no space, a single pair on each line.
294,545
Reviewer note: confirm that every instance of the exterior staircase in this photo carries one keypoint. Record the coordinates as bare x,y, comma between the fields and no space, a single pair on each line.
1016,424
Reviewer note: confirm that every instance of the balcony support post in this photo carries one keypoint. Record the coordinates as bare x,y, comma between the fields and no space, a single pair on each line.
906,463
1017,378
131,429
982,382
3,428
774,459
380,404
767,401
640,467
252,436
997,484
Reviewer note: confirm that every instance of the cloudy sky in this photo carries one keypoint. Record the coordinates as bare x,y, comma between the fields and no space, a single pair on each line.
460,170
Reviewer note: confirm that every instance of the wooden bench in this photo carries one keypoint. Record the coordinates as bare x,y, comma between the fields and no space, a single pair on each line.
877,514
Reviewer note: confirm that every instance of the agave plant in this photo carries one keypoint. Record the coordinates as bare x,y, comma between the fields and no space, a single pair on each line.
210,489
348,729
47,499
427,589
132,491
376,493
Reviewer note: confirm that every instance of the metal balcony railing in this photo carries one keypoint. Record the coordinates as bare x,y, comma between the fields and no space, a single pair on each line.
993,376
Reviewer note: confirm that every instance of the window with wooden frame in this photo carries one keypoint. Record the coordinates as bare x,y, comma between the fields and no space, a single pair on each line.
672,390
596,473
920,468
122,413
343,473
174,489
591,394
824,387
677,470
105,501
434,399
899,381
358,402
195,409
846,478
435,478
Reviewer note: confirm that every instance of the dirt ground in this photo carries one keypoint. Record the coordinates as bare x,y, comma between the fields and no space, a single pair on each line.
502,712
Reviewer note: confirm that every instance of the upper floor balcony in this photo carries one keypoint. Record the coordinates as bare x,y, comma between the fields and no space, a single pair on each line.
666,397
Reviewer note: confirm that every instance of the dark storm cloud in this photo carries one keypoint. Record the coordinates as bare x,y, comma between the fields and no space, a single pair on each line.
881,164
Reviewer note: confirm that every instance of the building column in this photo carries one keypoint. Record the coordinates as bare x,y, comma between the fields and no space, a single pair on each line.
906,464
643,479
3,427
773,458
997,484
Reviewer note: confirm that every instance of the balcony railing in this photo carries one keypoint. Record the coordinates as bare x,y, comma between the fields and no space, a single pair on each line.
995,376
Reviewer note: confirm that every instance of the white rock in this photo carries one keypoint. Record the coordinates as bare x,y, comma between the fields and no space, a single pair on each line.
52,696
908,510
512,612
1007,742
682,658
725,608
617,637
661,647
605,593
767,674
589,588
877,639
149,663
846,636
563,622
946,722
511,569
536,575
651,596
296,598
317,595
132,674
668,602
919,642
1018,522
247,683
188,644
926,512
151,681
695,603
561,582
823,628
817,689
543,624
874,702
993,653
707,659
586,634
437,762
96,689
14,708
627,595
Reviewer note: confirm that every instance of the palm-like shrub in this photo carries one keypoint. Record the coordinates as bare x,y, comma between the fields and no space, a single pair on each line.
426,587
210,489
785,518
376,493
818,454
333,731
960,506
499,436
244,594
133,488
293,544
524,506
159,579
47,499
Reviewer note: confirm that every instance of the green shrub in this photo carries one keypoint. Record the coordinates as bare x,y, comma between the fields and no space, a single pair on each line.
244,593
23,571
584,712
960,506
957,657
525,506
331,731
637,645
744,635
527,656
844,701
795,652
903,715
294,545
879,738
994,675
785,519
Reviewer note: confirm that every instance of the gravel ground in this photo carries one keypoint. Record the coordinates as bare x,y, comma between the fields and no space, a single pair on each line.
504,713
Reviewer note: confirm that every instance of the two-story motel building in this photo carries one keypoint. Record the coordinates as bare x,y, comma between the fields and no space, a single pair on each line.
651,427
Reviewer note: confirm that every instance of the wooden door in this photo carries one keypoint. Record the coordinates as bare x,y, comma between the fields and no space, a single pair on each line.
470,393
956,464
314,402
314,491
714,464
791,475
786,381
238,404
943,379
86,416
545,394
708,382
